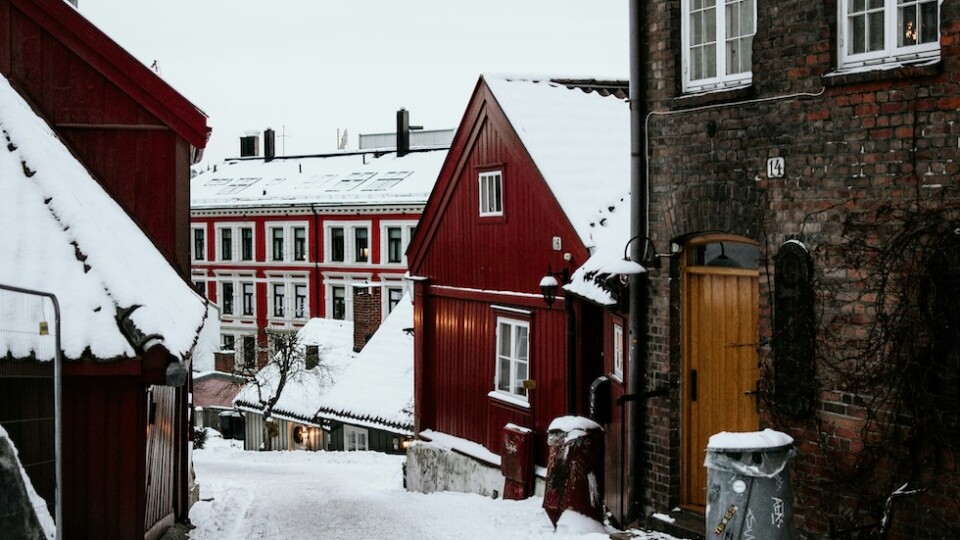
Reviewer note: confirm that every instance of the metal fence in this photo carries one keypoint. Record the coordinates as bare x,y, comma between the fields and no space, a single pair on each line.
30,362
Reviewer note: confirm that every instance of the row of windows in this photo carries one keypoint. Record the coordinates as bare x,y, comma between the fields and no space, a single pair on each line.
347,243
288,299
717,37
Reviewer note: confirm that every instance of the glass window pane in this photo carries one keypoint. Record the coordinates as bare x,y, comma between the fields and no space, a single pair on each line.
696,29
504,375
875,30
710,61
858,36
504,339
522,343
858,6
929,26
732,20
747,22
710,25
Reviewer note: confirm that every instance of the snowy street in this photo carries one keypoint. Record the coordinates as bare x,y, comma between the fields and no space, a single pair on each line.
350,495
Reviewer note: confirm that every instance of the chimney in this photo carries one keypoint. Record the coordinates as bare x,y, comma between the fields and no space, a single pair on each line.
403,132
366,315
250,146
224,361
269,147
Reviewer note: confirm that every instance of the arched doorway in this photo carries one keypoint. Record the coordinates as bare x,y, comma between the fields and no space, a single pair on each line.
720,313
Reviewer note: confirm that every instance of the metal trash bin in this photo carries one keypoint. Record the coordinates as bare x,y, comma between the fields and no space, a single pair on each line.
226,424
237,426
748,486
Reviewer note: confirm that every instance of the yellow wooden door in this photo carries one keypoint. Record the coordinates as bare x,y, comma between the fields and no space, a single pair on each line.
720,369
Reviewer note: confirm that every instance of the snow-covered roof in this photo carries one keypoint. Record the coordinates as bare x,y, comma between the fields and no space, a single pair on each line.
300,396
377,389
333,180
63,234
579,138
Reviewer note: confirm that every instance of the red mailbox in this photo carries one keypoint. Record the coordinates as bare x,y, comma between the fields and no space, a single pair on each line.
516,462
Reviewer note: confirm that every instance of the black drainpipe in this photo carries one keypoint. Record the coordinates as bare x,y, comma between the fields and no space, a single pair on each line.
636,459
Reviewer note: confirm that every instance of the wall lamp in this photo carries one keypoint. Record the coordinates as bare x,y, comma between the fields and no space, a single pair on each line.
650,257
551,282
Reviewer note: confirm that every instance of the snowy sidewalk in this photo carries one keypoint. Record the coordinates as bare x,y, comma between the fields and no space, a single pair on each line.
351,495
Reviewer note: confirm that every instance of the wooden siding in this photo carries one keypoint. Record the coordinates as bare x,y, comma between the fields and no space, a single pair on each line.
103,462
161,455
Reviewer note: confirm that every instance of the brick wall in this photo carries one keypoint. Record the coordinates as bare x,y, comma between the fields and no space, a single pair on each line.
366,315
851,144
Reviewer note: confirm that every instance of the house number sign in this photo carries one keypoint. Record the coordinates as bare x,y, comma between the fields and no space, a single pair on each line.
775,167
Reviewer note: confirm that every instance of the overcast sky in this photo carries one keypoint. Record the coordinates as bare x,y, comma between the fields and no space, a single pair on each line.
307,68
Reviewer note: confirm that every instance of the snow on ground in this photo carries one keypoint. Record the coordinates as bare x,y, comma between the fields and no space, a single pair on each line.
352,495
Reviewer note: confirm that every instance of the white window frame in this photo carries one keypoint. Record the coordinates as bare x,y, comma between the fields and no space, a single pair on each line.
618,351
516,391
406,232
349,242
892,52
221,297
253,301
356,433
290,281
236,243
253,243
721,80
347,281
288,241
490,193
198,257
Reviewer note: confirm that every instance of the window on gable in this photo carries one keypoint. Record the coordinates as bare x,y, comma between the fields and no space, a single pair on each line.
876,32
512,356
717,43
491,194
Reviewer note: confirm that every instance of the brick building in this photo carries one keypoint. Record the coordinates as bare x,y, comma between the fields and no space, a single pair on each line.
803,185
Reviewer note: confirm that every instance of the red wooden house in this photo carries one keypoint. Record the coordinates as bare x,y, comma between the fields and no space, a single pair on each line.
536,182
126,431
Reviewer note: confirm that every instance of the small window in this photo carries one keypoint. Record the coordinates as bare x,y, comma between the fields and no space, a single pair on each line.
337,249
246,244
249,354
717,43
618,351
247,291
227,342
512,356
491,194
361,244
278,299
299,243
300,301
394,244
339,303
226,297
199,245
876,32
354,438
226,244
277,236
393,298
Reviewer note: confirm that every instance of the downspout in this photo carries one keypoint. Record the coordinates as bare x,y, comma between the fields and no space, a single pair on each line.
636,362
316,260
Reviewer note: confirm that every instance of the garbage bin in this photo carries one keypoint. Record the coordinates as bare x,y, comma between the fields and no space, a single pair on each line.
574,468
748,486
237,426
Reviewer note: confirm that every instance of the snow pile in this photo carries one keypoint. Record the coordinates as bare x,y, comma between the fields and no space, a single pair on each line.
376,390
574,426
751,440
65,235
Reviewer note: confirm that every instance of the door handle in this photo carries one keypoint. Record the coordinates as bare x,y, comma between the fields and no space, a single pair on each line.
693,385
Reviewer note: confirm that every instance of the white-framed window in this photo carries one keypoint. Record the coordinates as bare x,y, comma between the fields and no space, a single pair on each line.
288,242
338,293
288,297
227,298
491,193
394,294
354,438
338,302
199,243
512,357
248,298
877,32
394,239
717,43
228,342
244,347
618,351
234,242
347,242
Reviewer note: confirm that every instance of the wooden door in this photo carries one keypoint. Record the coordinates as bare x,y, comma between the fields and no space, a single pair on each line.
720,369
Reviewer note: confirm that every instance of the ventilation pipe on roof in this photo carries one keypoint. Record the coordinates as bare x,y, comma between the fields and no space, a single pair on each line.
403,132
269,145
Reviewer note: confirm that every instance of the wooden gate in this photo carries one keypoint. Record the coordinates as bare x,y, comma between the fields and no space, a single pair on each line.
720,368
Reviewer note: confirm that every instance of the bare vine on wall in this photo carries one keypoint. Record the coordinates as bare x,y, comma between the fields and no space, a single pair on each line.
888,347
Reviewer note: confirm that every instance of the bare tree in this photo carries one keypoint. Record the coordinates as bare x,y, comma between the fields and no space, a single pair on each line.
291,366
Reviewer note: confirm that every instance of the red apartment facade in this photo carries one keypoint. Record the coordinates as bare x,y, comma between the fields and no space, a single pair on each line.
276,241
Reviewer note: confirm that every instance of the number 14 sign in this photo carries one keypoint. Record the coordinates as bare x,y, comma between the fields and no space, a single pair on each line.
775,167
